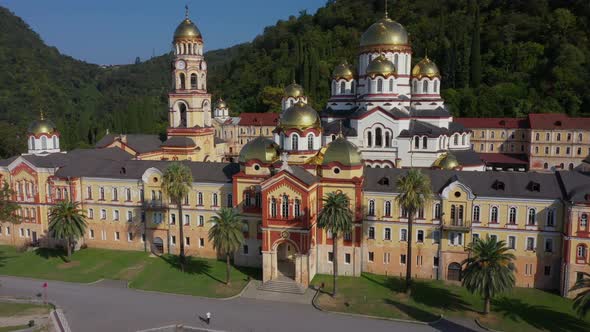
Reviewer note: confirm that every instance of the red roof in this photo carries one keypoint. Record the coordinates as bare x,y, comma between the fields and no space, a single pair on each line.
259,119
557,121
501,158
493,122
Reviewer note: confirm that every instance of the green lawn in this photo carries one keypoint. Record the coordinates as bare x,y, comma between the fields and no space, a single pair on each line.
523,309
8,309
13,328
202,277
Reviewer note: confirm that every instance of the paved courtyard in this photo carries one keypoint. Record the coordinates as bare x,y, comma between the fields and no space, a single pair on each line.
110,306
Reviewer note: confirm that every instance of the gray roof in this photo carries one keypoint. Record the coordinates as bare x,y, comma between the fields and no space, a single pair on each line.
55,160
304,175
395,112
516,184
575,185
138,142
422,128
179,141
467,157
437,112
333,128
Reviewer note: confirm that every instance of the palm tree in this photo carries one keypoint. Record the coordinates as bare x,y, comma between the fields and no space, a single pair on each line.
227,235
335,217
582,299
67,221
489,270
8,207
415,191
176,183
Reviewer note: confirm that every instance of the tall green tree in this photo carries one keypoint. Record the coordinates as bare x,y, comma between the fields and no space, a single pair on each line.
489,269
582,299
176,184
415,191
67,222
475,65
7,206
226,235
336,218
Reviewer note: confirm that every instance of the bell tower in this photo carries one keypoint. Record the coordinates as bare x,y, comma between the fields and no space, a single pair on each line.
190,104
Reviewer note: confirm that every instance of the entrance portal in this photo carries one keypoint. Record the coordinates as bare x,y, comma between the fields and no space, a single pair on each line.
454,272
158,246
286,261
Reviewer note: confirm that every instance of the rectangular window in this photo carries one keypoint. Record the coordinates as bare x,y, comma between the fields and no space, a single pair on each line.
419,260
512,242
129,216
435,262
89,192
103,214
579,276
172,240
530,243
346,258
347,236
436,236
402,259
330,257
7,230
28,232
117,236
103,235
21,232
142,238
371,233
201,242
187,241
91,234
386,258
403,236
245,249
116,215
187,220
494,237
420,236
129,236
172,219
90,213
201,221
548,245
371,256
547,270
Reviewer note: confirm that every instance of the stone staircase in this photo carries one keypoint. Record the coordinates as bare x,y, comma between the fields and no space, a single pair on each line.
282,286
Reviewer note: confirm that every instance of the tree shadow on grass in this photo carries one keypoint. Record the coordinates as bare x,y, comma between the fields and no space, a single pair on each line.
3,258
250,272
412,312
540,317
191,266
48,253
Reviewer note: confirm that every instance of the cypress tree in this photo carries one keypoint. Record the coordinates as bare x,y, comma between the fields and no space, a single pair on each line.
476,50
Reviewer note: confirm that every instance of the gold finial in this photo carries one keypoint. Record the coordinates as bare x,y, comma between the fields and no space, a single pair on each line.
340,129
426,53
386,13
186,11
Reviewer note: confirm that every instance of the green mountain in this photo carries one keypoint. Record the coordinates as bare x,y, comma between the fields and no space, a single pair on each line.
529,56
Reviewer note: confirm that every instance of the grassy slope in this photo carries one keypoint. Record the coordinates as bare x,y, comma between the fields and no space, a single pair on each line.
521,310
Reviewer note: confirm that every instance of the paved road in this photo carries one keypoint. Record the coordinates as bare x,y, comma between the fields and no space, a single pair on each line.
111,307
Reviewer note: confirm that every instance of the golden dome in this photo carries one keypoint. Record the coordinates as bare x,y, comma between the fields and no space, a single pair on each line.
42,126
344,71
425,68
294,90
262,149
342,151
385,32
300,116
446,161
221,103
381,66
187,30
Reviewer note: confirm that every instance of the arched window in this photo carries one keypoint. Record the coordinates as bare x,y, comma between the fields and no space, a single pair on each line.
295,142
545,166
424,143
182,109
200,199
215,199
571,167
32,143
127,194
584,221
580,136
310,142
194,81
391,85
463,137
182,79
425,86
456,139
333,88
379,85
416,142
371,208
581,252
537,136
435,86
512,216
342,88
415,88
43,142
561,165
273,207
378,137
395,60
285,207
297,208
461,214
388,209
453,213
437,211
532,217
369,139
476,213
494,215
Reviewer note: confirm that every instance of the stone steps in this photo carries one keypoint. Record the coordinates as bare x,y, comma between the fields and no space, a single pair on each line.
280,286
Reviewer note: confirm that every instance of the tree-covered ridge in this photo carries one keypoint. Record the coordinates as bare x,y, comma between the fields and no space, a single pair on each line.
530,57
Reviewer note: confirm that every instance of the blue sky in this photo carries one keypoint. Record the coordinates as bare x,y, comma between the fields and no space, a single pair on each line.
116,31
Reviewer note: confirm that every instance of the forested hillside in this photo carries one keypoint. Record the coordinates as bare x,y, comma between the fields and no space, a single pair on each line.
498,58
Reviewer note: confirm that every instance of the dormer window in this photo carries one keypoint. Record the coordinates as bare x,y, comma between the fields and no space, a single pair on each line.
384,181
534,186
498,185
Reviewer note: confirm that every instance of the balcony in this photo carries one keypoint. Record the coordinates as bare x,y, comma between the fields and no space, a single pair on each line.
456,225
154,205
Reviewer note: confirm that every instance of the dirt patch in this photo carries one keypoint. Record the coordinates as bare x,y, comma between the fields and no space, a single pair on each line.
488,320
131,272
96,266
68,265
